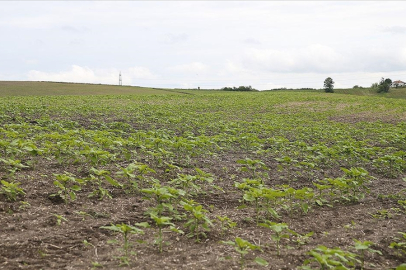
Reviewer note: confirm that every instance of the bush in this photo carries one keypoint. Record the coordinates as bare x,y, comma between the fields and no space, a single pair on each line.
240,88
384,85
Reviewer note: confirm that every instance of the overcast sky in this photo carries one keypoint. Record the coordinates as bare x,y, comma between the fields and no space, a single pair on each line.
211,44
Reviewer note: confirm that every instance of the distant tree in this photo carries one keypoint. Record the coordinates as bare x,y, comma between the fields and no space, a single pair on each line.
329,85
384,85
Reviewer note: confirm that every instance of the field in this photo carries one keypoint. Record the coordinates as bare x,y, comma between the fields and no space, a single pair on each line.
393,92
26,88
202,180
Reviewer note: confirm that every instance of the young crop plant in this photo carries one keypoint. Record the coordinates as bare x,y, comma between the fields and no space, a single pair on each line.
285,165
252,166
255,195
280,230
243,247
128,174
11,190
293,199
198,220
59,219
330,258
135,174
13,165
162,222
401,267
302,239
188,183
363,247
125,231
402,204
357,180
97,177
96,157
391,165
399,245
352,187
68,185
226,224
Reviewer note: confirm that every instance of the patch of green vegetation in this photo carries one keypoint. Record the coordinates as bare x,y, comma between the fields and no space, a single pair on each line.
28,88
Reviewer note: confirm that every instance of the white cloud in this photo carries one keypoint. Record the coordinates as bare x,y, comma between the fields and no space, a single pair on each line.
314,58
140,73
395,29
194,67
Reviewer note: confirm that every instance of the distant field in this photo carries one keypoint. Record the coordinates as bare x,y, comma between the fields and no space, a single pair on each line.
25,88
393,92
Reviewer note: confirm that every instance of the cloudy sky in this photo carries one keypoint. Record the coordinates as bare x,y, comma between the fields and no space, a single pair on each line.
211,44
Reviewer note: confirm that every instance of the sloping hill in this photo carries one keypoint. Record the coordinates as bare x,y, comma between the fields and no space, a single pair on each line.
28,88
393,92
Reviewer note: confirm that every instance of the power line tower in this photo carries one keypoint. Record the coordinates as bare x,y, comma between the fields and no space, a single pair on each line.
120,80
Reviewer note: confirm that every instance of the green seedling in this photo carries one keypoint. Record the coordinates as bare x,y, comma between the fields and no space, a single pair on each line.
401,267
386,213
97,177
285,164
135,174
164,197
330,258
188,183
83,214
198,220
391,165
126,230
24,205
96,265
252,166
96,156
68,186
399,245
59,219
226,224
158,193
128,173
87,244
281,231
302,239
350,225
363,247
402,203
242,247
11,190
255,195
13,165
358,178
162,222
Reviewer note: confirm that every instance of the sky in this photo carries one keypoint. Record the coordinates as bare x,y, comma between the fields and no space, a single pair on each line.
206,44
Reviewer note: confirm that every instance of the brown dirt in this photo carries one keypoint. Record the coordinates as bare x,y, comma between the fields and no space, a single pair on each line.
32,239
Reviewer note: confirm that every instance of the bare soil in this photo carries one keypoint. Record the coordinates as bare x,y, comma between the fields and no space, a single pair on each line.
32,239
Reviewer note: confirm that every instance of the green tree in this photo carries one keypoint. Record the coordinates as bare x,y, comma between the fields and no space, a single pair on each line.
328,85
384,85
